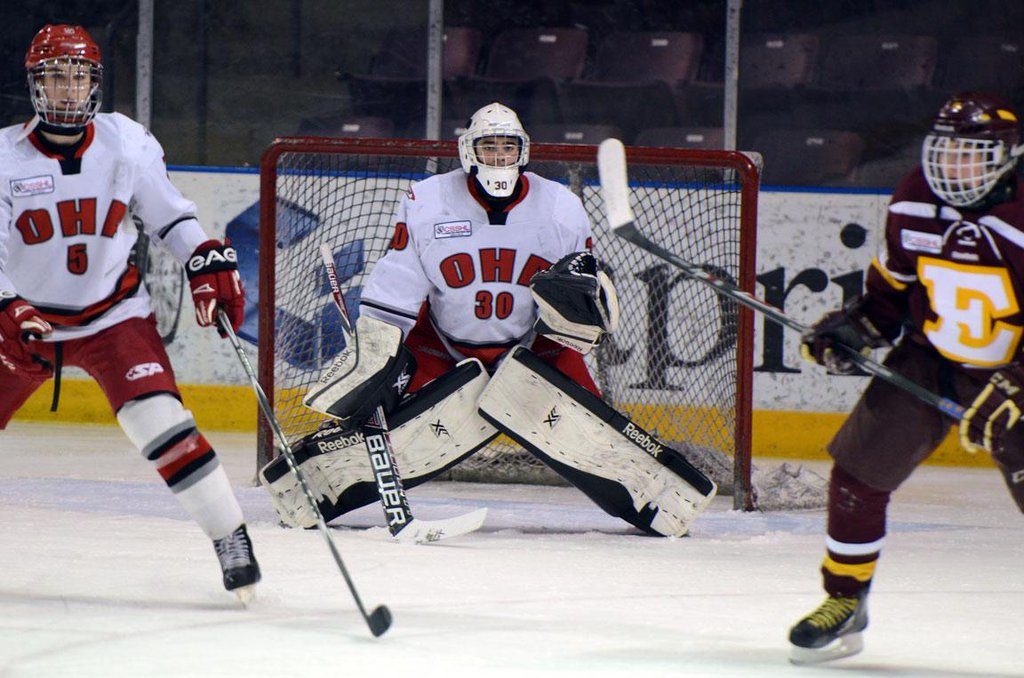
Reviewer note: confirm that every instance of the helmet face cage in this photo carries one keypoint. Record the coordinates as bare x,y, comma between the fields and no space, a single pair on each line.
66,90
974,142
495,120
963,171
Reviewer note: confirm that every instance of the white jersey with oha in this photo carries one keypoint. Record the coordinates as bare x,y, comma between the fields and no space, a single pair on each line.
65,222
473,274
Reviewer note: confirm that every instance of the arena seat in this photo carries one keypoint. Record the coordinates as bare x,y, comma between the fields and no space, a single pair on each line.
380,96
529,53
638,56
777,60
774,70
567,133
628,106
396,85
808,157
885,172
402,53
877,62
346,126
682,137
867,81
522,68
982,63
535,101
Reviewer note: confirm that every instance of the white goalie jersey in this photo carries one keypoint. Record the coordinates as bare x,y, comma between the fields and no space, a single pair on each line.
65,240
473,274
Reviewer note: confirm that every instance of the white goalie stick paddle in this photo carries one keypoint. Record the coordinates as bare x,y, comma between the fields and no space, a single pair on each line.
379,620
611,168
401,524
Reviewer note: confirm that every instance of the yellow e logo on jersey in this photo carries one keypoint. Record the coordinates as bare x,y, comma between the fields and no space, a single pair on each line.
968,300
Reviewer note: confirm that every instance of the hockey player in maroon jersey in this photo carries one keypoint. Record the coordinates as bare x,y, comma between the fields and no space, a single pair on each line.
946,290
70,295
483,307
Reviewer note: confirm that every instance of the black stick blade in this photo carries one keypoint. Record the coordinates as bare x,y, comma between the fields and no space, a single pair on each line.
379,621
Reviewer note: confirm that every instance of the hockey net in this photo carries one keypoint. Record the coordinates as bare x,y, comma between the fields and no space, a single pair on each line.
681,364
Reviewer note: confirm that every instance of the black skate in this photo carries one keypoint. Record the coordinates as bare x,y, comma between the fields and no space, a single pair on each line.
831,632
237,561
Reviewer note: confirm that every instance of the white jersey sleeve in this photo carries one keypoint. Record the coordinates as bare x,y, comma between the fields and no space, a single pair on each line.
164,213
572,217
6,285
398,284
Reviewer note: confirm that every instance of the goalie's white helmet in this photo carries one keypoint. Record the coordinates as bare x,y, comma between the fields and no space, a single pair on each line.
494,148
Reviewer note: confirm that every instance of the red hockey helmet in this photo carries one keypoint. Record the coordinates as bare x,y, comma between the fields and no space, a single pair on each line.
975,141
64,75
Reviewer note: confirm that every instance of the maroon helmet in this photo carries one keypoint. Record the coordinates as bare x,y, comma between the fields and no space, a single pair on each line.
64,75
975,140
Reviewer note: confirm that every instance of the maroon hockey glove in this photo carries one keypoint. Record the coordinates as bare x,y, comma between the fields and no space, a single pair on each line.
20,323
848,326
988,424
213,276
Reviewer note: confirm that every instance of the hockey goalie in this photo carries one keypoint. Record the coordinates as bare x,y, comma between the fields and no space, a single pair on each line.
473,324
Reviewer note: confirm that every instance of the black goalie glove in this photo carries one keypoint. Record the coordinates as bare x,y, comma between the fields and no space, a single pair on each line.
848,326
577,302
991,420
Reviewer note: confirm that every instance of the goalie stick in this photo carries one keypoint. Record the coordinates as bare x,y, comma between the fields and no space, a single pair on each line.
401,524
379,620
611,168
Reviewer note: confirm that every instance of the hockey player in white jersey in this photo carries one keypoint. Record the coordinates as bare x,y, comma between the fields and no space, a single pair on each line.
70,294
482,309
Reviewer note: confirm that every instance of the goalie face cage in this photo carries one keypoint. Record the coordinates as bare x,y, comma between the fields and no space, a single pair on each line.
681,364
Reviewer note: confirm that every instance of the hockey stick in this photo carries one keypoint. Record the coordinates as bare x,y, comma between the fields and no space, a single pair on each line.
380,619
611,167
401,524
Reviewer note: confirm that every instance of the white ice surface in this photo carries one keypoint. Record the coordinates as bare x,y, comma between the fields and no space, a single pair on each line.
103,575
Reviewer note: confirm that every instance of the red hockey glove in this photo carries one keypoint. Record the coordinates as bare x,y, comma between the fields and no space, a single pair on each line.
848,326
990,420
20,322
213,276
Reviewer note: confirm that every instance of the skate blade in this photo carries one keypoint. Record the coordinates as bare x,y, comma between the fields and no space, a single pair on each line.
844,646
246,594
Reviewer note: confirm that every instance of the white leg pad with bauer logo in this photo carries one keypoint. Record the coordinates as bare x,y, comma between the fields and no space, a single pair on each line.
433,430
624,469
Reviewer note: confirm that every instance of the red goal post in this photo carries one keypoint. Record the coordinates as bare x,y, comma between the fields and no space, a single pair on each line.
682,362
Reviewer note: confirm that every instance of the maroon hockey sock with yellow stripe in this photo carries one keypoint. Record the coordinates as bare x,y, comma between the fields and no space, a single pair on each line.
856,531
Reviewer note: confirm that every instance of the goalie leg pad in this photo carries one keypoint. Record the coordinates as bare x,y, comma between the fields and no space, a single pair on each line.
374,370
432,430
627,471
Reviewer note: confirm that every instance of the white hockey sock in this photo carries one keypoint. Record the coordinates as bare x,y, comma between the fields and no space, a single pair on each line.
165,433
212,504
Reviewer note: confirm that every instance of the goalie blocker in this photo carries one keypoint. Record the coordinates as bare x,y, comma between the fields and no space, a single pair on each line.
432,430
624,469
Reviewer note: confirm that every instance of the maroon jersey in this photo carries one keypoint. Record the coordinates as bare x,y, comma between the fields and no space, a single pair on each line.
957,274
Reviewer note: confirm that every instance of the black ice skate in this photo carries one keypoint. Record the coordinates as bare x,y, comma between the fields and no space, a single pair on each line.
830,632
237,561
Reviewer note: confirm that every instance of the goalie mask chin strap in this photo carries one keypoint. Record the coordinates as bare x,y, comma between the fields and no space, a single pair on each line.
497,208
